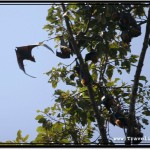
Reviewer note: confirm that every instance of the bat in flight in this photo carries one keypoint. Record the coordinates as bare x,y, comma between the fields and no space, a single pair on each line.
25,53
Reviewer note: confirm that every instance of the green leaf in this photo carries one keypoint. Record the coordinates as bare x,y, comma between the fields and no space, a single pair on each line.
133,58
69,82
25,138
38,111
40,129
57,127
39,117
113,52
48,27
140,84
147,113
54,84
143,78
109,71
42,120
116,80
126,65
109,84
64,141
19,134
83,116
46,110
94,75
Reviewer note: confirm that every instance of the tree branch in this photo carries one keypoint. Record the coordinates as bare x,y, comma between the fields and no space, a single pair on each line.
85,70
136,80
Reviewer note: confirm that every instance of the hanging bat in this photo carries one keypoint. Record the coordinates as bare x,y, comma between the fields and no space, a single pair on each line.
126,37
135,31
126,20
24,53
93,56
63,55
65,50
108,101
137,134
121,121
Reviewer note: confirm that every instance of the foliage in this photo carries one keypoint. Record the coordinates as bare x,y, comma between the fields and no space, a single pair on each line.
63,129
72,117
20,140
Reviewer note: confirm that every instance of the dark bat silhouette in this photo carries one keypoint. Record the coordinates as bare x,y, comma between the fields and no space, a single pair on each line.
93,56
24,53
63,55
65,50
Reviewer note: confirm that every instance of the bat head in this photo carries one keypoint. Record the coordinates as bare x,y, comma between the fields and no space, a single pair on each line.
119,123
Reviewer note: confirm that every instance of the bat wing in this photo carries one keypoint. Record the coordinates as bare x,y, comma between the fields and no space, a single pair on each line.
20,63
48,47
25,52
87,57
25,49
61,55
90,56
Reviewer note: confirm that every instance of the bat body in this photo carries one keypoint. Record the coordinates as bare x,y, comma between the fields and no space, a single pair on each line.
108,101
24,53
121,121
65,50
92,56
63,55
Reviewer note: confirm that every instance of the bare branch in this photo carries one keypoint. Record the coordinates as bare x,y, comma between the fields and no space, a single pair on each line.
136,79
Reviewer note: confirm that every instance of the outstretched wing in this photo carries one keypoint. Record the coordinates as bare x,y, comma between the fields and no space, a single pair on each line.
22,53
25,52
20,60
48,47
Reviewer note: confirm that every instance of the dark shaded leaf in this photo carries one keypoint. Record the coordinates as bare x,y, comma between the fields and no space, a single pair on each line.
145,121
109,71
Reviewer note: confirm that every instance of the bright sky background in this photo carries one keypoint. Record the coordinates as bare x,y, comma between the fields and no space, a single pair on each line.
21,95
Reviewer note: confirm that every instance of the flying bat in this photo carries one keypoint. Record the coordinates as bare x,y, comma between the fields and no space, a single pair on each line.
24,53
